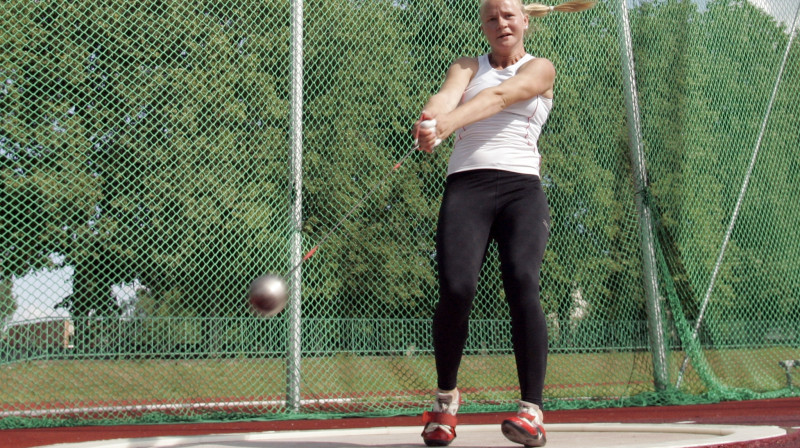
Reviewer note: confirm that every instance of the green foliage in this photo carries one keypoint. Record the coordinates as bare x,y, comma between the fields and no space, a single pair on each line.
357,116
702,125
591,267
149,151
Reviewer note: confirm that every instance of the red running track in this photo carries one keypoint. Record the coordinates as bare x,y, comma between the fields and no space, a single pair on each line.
784,413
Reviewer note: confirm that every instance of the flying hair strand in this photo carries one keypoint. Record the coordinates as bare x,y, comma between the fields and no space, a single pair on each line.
540,10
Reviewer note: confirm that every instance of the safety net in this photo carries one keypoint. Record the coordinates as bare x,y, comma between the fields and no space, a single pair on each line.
157,156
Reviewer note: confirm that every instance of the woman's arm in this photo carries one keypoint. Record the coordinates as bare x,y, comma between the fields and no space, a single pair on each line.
534,78
455,83
446,99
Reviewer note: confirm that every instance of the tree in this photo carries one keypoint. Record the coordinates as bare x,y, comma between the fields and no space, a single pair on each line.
358,114
155,155
592,256
701,124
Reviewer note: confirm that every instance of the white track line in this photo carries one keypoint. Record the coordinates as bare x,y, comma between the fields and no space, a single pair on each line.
559,435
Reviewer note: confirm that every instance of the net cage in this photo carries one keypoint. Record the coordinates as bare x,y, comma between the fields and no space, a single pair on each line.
157,156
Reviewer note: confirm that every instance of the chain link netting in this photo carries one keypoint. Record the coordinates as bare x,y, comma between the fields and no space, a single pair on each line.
148,175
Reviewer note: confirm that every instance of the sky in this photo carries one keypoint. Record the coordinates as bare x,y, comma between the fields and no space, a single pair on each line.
783,10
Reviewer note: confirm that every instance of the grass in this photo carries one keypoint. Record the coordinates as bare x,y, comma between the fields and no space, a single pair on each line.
377,379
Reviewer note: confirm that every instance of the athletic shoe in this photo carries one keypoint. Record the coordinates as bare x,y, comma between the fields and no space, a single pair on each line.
440,424
526,427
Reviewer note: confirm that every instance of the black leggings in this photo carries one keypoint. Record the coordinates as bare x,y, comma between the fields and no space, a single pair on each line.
512,209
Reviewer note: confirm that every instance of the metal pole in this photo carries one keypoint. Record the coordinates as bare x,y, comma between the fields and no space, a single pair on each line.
658,346
294,346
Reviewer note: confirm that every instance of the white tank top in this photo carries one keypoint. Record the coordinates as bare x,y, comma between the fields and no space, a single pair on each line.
507,140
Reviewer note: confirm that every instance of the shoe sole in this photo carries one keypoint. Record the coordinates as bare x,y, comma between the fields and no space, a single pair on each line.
518,434
437,443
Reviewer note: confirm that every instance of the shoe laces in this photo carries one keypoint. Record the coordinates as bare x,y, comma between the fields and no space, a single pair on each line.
532,410
433,426
446,403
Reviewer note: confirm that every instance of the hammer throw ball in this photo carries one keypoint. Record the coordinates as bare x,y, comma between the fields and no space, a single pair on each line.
268,295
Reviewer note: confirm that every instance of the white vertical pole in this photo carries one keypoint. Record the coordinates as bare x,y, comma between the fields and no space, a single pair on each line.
294,345
655,318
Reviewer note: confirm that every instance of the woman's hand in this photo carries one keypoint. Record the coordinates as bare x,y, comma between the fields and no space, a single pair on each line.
425,133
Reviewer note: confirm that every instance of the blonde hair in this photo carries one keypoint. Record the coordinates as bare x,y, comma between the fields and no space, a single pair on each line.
540,10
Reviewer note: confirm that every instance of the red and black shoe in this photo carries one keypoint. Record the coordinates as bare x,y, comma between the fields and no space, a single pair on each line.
526,427
440,424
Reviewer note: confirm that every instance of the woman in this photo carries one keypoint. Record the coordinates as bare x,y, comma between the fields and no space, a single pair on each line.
497,105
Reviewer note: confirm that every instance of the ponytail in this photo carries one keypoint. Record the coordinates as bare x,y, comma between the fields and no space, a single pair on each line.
540,10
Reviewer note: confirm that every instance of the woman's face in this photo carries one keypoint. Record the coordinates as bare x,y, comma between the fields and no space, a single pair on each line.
503,23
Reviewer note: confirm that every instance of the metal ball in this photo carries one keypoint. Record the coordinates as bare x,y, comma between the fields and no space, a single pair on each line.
268,295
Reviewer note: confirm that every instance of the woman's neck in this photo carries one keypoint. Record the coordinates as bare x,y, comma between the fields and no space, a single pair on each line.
503,61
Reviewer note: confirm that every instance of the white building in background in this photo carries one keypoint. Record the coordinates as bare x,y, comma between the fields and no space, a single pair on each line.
39,292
